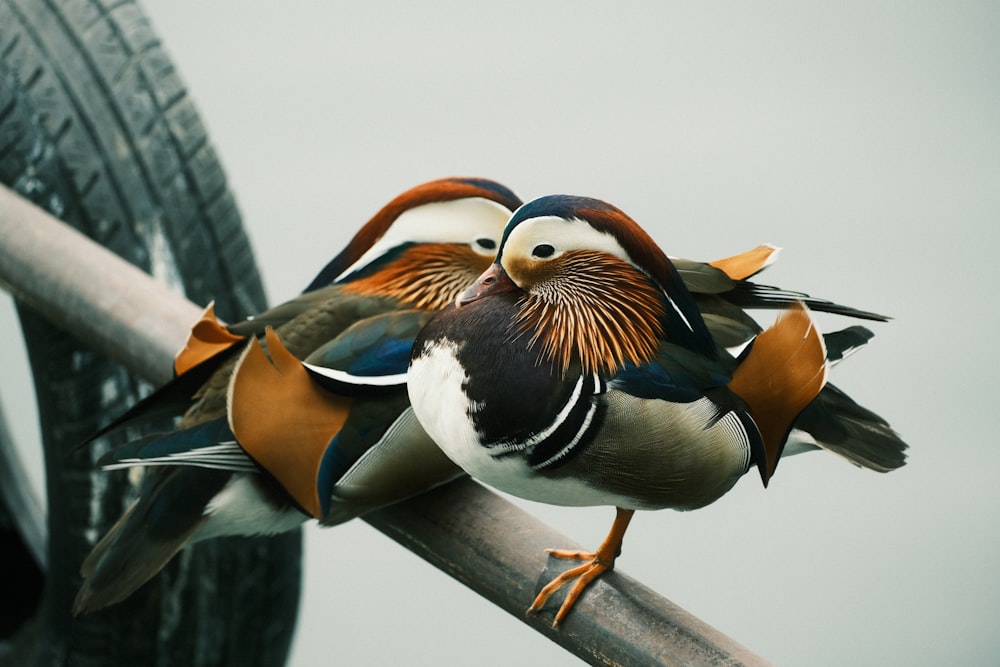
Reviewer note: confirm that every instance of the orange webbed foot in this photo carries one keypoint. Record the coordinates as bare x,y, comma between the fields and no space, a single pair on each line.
582,576
595,564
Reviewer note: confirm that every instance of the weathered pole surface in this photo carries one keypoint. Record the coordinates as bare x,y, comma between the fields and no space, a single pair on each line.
467,531
89,291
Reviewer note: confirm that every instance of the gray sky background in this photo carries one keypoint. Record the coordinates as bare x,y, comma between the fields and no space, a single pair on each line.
861,137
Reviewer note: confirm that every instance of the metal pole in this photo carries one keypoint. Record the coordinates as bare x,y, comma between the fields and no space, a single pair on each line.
465,530
89,291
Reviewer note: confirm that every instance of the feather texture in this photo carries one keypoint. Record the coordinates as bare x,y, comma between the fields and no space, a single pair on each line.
596,311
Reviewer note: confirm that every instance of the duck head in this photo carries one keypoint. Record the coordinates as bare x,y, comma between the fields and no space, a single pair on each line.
427,244
593,285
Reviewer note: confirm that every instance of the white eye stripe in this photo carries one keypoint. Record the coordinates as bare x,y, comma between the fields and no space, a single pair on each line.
563,235
472,220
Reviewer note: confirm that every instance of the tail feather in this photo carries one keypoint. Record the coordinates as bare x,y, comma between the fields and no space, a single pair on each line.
746,294
147,536
842,344
210,444
170,401
834,422
779,375
838,424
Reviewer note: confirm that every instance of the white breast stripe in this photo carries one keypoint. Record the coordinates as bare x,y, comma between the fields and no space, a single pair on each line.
573,443
560,418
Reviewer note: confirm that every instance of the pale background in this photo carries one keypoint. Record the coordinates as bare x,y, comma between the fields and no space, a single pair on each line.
862,137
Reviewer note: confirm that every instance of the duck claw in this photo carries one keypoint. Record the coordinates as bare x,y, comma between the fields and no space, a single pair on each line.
582,576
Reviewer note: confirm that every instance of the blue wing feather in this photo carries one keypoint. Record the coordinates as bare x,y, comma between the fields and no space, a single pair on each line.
371,355
652,380
675,375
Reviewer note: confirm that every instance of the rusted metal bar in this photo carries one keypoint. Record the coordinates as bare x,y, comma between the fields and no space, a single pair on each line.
470,533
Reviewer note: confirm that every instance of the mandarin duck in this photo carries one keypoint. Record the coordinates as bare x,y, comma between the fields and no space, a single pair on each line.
578,370
333,438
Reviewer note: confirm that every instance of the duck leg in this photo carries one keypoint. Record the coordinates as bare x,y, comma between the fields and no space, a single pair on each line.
597,563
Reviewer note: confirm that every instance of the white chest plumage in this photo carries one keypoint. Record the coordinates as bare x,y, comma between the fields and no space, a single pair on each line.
435,381
641,458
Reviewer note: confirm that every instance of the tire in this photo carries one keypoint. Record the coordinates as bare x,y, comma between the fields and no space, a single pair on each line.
97,128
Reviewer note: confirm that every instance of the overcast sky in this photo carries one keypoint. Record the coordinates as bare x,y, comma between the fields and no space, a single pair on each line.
861,137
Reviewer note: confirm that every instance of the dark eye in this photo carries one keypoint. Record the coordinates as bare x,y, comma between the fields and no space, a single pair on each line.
543,250
486,244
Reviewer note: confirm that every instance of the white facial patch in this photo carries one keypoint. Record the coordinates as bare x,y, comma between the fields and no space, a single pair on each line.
563,235
458,221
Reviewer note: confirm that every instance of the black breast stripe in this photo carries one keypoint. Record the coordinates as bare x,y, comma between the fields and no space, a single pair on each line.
571,430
